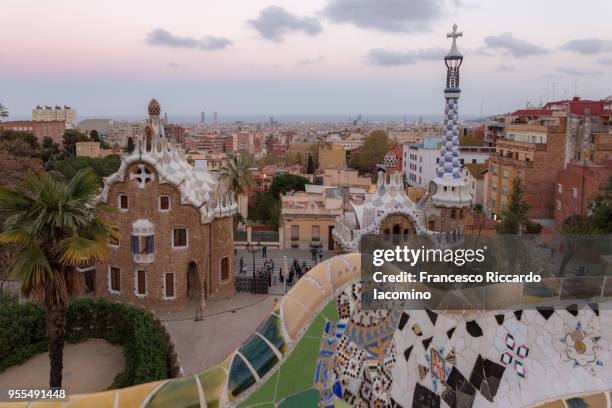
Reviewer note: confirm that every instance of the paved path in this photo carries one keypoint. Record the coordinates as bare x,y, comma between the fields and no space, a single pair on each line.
98,359
225,326
227,323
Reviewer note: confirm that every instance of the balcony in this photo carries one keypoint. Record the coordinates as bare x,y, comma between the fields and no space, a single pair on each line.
143,242
144,258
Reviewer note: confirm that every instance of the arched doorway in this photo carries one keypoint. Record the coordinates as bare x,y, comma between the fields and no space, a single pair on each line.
194,287
396,233
400,225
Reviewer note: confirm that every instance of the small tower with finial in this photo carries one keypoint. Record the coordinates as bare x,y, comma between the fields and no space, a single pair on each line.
449,191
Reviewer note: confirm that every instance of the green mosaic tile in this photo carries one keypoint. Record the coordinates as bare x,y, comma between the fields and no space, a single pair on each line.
178,393
330,311
298,371
258,354
240,377
272,331
308,398
212,381
265,394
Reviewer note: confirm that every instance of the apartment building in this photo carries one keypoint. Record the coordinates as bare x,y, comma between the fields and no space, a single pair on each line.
55,114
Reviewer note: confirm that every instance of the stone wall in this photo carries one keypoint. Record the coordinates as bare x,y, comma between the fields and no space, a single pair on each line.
202,243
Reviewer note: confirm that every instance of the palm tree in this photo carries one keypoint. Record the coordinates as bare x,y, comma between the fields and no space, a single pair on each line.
3,111
54,227
237,177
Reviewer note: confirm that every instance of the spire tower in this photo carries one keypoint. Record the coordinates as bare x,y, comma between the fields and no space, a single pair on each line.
448,189
449,165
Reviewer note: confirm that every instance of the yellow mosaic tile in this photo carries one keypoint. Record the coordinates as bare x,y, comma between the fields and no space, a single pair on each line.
134,396
295,316
319,273
99,399
344,272
308,294
213,380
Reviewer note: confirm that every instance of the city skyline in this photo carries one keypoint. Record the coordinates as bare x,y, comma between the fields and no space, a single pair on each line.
337,57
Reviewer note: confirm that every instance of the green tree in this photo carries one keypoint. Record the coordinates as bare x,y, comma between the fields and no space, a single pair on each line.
266,209
373,151
284,183
599,219
55,227
18,135
129,147
236,175
50,150
601,209
310,167
470,140
3,111
94,135
101,166
70,139
514,216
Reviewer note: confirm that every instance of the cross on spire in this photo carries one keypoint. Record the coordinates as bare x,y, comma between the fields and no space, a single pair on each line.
454,35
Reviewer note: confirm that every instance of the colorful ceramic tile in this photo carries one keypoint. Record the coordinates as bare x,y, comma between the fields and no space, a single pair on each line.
181,392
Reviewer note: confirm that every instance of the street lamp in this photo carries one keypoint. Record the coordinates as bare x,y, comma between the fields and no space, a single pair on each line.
252,249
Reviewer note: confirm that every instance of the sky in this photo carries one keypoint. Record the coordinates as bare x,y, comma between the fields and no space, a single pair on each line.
109,58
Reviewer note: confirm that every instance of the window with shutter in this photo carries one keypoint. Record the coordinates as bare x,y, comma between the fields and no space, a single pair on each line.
164,203
169,285
141,282
179,237
115,279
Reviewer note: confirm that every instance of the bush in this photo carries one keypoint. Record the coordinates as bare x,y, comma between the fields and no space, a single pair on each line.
533,228
146,347
22,333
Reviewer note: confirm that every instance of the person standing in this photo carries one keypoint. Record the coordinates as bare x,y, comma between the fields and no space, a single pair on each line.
264,251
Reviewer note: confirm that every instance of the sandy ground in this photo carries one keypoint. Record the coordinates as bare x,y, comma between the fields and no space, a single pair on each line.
88,366
203,344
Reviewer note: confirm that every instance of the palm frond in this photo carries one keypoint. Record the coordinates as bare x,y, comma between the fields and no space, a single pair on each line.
42,213
77,250
83,186
12,201
100,231
30,265
235,173
16,236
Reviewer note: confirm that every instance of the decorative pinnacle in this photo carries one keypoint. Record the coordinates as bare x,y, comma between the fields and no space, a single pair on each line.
454,35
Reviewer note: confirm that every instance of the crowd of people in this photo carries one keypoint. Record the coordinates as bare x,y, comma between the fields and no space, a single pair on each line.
296,271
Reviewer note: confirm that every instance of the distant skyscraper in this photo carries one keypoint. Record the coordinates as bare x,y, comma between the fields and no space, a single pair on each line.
202,117
215,118
165,118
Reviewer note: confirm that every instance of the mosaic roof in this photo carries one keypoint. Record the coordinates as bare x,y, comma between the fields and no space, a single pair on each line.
389,198
196,186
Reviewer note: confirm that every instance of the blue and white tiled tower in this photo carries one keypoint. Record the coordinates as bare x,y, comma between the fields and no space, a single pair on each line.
447,210
449,188
449,164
